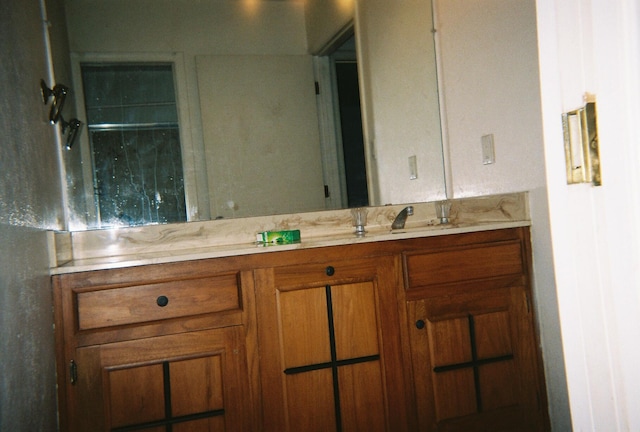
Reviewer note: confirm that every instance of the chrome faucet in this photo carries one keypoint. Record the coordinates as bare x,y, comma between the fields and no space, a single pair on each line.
399,221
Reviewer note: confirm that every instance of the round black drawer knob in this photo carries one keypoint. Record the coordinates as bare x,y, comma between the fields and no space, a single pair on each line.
330,270
420,324
162,301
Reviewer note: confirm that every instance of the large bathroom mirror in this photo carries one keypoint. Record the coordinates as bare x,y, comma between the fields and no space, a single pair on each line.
240,100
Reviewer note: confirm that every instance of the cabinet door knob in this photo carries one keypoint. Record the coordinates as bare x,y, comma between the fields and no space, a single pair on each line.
420,324
162,301
330,270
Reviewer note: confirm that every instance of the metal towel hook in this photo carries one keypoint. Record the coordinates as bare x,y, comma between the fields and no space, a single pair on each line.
74,126
59,94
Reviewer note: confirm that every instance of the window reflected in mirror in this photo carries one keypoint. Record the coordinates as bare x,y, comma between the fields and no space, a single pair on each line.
134,138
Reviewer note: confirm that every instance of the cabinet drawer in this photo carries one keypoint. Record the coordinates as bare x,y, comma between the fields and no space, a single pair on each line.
157,301
483,261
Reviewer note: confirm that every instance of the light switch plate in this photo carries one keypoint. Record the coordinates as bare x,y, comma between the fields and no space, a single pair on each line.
413,168
488,151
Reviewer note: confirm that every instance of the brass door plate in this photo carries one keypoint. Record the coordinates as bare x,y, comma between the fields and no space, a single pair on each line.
581,148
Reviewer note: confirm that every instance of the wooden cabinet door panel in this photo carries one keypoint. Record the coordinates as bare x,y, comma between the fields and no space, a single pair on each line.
303,327
197,385
343,381
362,386
356,321
135,395
474,362
188,382
331,358
210,424
309,399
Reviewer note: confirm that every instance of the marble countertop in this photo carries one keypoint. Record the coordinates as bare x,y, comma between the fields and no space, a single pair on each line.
205,250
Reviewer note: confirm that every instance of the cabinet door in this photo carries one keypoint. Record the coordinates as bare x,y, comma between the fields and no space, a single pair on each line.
330,349
474,362
187,382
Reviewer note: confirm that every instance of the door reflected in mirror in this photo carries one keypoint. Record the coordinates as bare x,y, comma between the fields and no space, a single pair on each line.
345,66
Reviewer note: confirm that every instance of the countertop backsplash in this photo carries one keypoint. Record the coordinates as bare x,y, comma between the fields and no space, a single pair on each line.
235,236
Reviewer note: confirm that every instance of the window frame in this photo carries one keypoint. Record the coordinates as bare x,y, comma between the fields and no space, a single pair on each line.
189,153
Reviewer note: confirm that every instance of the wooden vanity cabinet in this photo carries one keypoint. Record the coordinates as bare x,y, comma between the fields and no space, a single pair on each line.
426,334
155,348
474,355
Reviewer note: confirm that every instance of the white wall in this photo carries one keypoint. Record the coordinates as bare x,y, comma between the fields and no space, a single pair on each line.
197,27
326,19
400,100
490,84
30,201
263,144
593,46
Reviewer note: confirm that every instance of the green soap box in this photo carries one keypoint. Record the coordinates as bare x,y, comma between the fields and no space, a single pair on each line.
279,237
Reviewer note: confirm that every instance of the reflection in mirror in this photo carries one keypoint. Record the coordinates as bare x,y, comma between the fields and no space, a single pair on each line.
347,94
340,123
254,136
135,143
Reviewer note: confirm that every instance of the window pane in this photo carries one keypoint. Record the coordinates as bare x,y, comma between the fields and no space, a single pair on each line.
129,94
135,143
138,176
